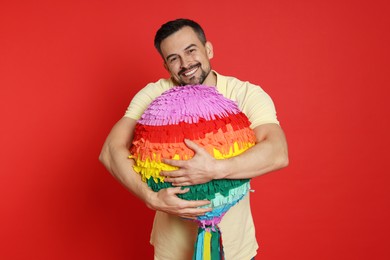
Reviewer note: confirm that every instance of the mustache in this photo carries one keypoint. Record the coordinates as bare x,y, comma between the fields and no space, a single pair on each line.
189,68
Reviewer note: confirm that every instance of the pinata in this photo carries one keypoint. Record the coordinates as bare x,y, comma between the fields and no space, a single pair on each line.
201,114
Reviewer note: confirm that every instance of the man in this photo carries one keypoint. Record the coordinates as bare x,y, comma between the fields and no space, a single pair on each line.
186,53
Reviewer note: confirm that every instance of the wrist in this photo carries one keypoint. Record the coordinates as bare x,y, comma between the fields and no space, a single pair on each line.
221,169
150,200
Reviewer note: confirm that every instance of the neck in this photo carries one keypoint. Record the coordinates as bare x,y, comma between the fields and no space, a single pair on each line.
211,79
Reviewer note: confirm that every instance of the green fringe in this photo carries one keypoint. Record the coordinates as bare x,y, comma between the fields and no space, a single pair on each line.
215,247
204,191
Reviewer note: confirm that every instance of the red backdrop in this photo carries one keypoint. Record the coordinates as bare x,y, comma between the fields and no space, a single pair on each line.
68,70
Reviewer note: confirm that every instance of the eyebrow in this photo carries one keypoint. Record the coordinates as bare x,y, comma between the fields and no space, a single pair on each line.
174,54
190,46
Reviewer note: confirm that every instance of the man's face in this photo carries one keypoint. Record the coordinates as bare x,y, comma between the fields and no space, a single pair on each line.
186,58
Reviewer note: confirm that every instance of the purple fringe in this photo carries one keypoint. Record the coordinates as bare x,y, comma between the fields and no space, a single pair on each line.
188,104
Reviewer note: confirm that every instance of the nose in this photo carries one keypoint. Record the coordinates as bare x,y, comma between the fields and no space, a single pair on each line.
185,62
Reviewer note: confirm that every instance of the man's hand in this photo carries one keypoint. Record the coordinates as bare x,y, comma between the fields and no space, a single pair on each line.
166,200
199,169
270,153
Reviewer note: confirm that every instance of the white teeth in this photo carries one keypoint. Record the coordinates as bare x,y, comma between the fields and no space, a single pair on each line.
190,72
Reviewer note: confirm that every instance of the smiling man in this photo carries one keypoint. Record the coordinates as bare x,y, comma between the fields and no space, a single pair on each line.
187,57
186,54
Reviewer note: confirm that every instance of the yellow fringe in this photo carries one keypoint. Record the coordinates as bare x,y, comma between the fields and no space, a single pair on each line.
151,167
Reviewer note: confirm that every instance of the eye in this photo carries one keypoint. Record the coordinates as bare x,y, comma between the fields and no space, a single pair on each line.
190,51
171,60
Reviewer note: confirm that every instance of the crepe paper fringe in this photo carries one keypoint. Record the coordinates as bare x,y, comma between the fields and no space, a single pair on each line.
208,245
222,201
214,217
221,141
178,132
151,168
201,114
188,104
208,190
149,164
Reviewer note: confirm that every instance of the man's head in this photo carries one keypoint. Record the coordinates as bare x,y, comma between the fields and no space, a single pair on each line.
171,27
186,53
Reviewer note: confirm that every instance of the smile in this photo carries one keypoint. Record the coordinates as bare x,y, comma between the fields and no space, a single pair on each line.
190,72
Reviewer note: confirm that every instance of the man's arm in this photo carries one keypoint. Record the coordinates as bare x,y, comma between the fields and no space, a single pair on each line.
114,156
268,154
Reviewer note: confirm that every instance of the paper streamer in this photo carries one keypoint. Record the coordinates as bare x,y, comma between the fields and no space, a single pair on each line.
203,115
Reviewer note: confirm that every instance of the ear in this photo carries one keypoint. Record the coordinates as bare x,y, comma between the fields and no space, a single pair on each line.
209,50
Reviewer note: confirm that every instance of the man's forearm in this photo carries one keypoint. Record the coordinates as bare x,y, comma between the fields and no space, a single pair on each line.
262,158
114,156
268,154
115,159
165,200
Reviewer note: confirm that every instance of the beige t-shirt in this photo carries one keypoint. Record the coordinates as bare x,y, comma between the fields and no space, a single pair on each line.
253,101
173,238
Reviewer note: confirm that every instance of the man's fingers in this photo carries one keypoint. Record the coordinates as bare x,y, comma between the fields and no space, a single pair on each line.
179,190
199,203
176,163
192,145
178,182
194,213
190,203
172,174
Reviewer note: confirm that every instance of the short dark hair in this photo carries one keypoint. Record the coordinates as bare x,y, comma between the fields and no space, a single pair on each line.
173,26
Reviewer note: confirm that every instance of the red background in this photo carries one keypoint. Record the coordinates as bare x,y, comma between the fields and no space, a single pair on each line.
68,70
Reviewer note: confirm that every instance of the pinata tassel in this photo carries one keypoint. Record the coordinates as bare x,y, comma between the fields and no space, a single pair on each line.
208,245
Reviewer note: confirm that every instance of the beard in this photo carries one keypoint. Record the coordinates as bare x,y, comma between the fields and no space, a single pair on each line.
195,80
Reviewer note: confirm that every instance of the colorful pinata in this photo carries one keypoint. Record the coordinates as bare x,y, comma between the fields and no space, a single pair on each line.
203,115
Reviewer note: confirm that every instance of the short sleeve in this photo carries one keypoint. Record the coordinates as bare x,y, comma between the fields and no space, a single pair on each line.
145,96
258,106
253,101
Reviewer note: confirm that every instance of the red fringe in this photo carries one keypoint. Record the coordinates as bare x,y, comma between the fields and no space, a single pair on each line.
177,133
223,142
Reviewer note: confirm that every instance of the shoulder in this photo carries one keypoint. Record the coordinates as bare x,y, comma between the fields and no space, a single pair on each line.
153,90
253,101
236,89
158,87
145,96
